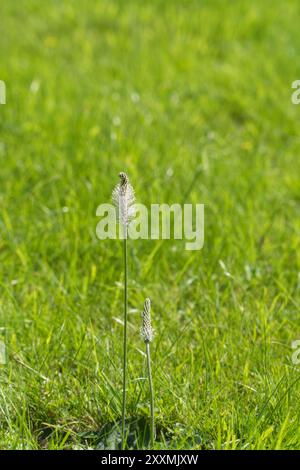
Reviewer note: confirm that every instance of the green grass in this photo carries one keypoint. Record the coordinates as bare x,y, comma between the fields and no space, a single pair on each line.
193,100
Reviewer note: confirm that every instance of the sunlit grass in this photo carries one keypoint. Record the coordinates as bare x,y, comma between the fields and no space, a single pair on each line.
192,100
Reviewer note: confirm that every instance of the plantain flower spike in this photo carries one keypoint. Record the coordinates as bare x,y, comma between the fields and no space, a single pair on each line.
147,331
123,199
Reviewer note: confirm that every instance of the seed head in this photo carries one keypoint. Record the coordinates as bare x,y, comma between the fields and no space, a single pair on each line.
147,331
123,199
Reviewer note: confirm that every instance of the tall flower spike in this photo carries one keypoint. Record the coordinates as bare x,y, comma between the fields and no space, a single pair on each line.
147,331
123,199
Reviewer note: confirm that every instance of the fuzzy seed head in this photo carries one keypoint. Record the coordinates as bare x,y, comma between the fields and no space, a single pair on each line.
123,198
147,331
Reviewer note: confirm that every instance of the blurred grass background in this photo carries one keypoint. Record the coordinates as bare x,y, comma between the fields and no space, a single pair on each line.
193,100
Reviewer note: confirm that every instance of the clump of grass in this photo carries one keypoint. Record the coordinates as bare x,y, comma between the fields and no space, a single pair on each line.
147,334
123,199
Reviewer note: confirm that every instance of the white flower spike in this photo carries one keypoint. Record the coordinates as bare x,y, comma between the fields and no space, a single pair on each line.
147,331
123,198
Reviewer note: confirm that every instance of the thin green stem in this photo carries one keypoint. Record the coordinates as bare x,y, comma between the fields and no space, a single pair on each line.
125,340
152,426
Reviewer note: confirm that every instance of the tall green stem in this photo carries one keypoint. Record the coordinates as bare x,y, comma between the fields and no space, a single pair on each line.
152,426
125,340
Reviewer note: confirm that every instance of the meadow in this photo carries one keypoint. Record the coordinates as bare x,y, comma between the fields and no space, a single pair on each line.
192,99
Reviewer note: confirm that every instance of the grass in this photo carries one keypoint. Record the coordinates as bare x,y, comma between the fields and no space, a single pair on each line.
193,101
